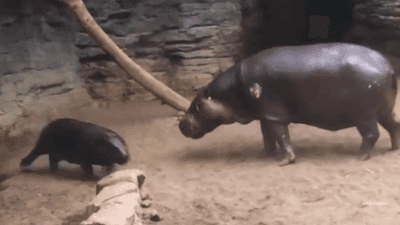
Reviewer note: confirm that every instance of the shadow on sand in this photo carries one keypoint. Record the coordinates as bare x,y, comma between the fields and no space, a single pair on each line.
248,151
62,174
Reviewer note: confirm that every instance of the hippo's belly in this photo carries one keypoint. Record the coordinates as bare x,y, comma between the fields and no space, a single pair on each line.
335,102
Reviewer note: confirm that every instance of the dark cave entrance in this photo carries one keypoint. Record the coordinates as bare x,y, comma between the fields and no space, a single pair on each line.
270,23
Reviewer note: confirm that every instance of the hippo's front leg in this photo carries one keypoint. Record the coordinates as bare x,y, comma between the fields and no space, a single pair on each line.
281,132
269,148
107,169
88,169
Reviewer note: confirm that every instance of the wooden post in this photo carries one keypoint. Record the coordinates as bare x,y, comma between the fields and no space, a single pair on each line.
139,74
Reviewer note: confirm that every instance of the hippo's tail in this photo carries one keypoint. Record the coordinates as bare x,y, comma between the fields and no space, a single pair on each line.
28,160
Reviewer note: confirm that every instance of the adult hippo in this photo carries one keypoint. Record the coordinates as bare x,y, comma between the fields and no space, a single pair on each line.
80,143
331,86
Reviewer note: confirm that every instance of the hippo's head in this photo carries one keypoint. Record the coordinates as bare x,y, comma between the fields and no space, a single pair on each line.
120,149
204,115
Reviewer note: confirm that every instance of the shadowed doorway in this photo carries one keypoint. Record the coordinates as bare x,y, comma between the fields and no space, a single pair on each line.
270,23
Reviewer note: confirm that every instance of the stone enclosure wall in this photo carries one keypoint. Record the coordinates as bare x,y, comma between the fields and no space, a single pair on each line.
179,42
377,24
47,61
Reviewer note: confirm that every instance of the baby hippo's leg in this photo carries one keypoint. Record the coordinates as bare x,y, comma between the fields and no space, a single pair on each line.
28,160
88,169
106,170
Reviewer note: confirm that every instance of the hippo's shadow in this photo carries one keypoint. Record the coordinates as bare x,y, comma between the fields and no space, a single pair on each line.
75,219
226,151
303,151
4,177
63,174
334,150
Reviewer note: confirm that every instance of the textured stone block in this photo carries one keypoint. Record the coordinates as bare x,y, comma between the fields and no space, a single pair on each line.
118,200
113,214
11,107
7,120
188,7
196,54
131,175
8,92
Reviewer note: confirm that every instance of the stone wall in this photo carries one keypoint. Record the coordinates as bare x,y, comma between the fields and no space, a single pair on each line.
45,54
377,24
181,43
38,59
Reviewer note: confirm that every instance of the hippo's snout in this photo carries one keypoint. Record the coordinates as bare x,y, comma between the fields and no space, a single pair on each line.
190,128
122,159
121,151
122,156
184,126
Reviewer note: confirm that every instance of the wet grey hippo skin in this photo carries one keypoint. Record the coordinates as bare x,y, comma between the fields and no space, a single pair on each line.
80,143
331,86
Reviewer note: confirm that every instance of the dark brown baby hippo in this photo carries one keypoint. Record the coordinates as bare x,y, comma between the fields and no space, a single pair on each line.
79,142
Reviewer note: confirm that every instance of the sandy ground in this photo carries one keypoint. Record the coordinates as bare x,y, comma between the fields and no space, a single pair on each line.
219,179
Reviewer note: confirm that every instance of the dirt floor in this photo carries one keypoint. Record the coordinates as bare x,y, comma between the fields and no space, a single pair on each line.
219,179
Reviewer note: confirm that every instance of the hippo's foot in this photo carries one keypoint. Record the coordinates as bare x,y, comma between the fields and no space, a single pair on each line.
365,156
90,176
23,168
25,163
106,170
288,160
88,170
53,166
394,148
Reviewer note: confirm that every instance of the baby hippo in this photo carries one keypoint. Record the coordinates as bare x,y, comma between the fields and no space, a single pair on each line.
80,143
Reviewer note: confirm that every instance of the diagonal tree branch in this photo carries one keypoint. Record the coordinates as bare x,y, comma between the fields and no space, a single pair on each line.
139,74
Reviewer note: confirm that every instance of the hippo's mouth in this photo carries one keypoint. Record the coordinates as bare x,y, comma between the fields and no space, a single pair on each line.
198,135
188,129
123,159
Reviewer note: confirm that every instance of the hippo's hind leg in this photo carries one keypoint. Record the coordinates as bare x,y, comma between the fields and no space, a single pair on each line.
281,133
370,134
393,127
53,161
28,160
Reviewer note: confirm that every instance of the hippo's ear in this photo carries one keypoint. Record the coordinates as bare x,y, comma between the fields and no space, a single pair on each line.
216,110
204,92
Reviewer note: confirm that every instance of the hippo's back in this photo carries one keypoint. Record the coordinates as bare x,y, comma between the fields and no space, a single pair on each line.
67,139
301,62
